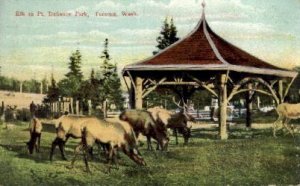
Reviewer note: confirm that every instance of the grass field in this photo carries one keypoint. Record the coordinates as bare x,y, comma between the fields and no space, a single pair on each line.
249,157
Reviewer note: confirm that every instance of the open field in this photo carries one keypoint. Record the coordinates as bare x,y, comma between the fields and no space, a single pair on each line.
249,157
21,100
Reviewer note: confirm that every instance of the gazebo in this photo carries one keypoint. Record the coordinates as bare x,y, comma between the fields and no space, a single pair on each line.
205,60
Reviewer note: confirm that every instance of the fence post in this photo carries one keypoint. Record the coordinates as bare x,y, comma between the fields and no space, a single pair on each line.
77,107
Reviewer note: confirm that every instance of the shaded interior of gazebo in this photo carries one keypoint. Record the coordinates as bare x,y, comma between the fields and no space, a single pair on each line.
205,60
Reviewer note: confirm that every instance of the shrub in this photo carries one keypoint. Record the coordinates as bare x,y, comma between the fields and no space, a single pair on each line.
23,114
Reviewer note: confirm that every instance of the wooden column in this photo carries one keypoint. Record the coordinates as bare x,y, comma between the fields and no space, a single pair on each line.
90,107
105,108
249,107
71,106
280,91
131,97
223,107
21,87
139,93
77,107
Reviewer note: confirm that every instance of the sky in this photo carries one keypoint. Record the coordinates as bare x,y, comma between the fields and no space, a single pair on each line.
36,46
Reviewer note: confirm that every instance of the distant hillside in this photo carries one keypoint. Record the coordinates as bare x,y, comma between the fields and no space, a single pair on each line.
21,100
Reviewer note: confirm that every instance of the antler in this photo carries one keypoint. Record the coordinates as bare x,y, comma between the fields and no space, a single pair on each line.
184,107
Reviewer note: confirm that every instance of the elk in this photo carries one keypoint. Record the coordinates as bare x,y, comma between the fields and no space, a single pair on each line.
35,130
142,122
117,136
66,126
176,121
286,112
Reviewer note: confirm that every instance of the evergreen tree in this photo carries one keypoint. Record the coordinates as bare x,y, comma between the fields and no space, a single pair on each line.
109,82
168,35
75,66
70,86
53,92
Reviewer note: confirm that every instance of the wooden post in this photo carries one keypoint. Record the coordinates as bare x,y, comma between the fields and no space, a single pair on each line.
249,107
63,105
131,97
139,93
258,102
41,88
105,108
71,106
21,87
90,107
77,107
280,91
223,107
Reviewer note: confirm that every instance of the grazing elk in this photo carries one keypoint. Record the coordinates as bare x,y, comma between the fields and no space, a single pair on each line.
286,112
35,130
118,136
176,121
142,122
67,126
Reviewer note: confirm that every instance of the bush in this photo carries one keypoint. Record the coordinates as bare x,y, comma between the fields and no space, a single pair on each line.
23,114
10,115
43,111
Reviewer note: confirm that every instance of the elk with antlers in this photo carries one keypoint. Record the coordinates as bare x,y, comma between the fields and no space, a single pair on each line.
142,122
176,121
286,112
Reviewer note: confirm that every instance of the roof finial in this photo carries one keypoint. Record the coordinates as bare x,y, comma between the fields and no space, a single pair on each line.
203,4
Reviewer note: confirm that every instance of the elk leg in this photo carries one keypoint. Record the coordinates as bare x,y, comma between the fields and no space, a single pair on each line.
53,146
285,124
116,158
149,143
90,150
110,156
176,136
275,126
85,151
39,143
61,146
157,146
76,152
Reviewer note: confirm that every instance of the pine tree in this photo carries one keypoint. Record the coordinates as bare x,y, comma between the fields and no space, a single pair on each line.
74,66
168,35
53,91
173,33
109,82
70,86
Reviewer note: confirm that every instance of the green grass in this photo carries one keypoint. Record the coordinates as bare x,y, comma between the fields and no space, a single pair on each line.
249,157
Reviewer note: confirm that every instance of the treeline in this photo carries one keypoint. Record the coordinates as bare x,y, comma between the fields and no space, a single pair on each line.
29,86
102,88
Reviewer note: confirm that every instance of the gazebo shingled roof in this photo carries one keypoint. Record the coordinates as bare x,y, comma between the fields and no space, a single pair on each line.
203,49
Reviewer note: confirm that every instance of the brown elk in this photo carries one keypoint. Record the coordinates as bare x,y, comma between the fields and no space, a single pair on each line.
118,136
142,122
35,130
286,112
67,126
176,121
